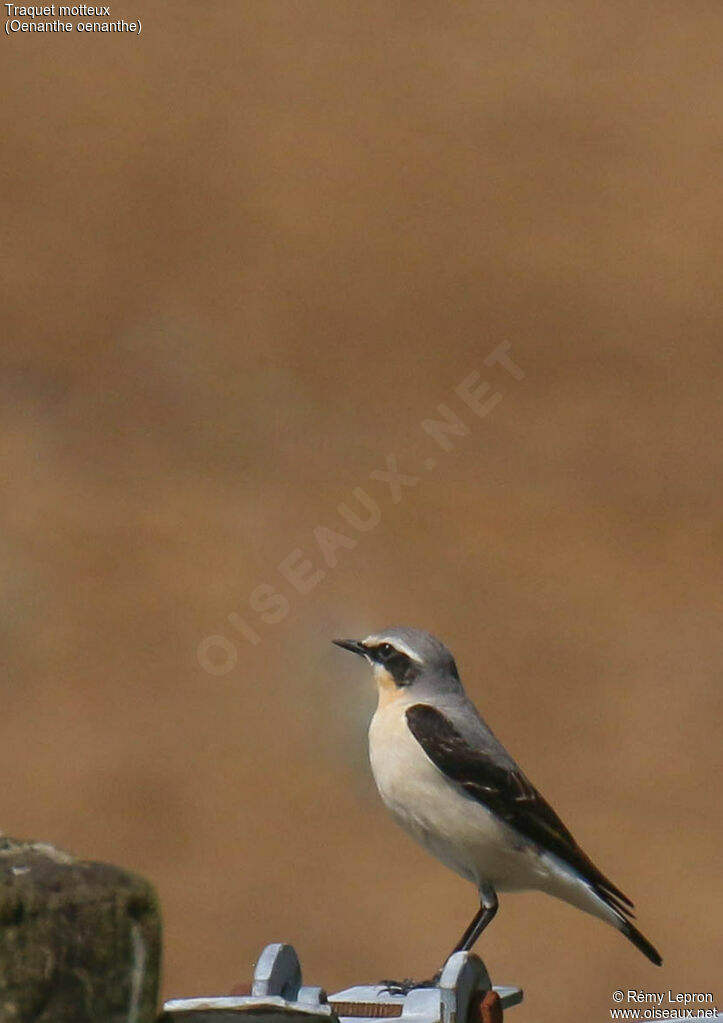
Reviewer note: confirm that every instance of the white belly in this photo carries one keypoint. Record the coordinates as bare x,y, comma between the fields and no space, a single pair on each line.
454,827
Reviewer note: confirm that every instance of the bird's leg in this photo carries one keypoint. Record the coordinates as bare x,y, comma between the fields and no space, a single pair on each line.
484,915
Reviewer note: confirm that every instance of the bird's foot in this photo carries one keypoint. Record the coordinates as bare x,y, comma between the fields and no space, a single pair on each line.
397,987
403,987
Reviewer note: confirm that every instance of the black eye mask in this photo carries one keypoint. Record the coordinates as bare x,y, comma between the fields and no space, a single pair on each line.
401,667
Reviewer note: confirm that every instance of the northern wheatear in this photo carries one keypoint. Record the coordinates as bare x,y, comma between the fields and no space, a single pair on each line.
454,787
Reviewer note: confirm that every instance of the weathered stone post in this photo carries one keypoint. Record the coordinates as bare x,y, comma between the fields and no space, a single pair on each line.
80,942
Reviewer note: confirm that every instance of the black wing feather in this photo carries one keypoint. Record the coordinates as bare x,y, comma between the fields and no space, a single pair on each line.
508,794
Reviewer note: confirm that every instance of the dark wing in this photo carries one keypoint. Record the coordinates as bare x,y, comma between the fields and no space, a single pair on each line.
508,794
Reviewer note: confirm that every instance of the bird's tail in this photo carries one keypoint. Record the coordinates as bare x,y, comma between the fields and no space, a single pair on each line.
640,941
619,911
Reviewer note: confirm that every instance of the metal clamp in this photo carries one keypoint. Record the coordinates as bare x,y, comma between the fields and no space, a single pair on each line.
278,996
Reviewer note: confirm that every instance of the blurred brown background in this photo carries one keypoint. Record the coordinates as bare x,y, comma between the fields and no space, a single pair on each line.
244,255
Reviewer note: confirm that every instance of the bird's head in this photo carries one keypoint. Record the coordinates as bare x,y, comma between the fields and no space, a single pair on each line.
402,657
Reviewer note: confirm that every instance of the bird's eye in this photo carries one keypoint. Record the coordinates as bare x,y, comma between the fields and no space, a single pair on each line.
385,650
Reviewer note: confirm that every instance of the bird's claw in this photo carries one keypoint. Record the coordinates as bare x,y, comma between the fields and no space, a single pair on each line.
397,987
403,987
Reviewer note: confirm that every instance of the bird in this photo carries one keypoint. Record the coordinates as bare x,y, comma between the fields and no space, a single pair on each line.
453,786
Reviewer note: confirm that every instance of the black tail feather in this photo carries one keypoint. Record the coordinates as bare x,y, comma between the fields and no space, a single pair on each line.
640,941
625,909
